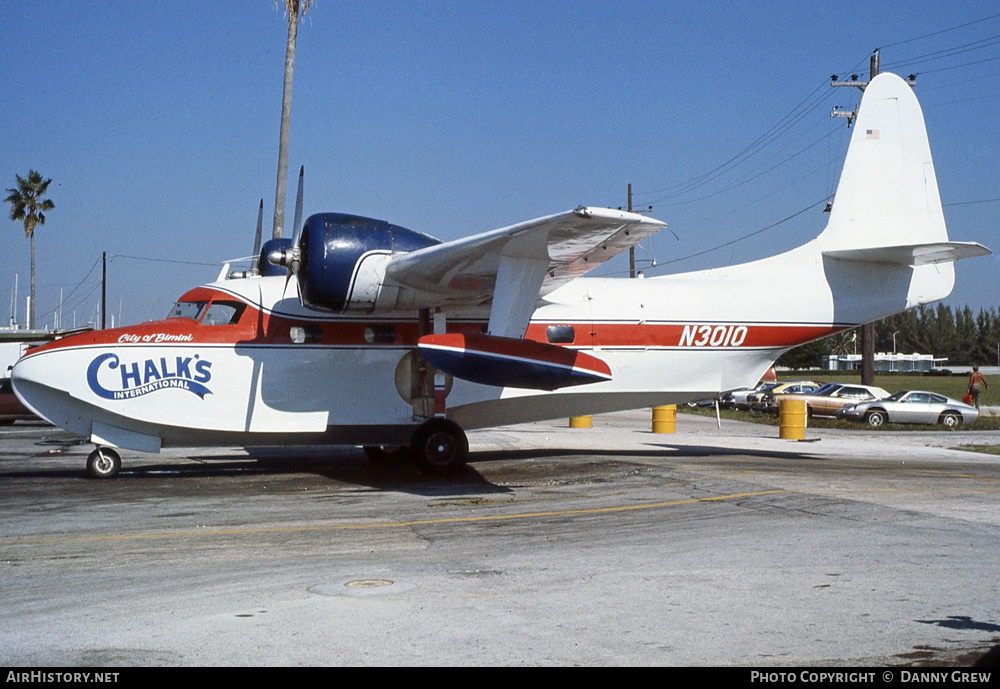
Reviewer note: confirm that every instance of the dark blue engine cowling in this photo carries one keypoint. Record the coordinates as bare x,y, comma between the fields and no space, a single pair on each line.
331,246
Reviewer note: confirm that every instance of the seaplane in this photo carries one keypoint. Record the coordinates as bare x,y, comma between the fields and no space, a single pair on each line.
360,332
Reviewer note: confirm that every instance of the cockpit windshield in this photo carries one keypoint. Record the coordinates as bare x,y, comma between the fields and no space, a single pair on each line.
209,313
188,309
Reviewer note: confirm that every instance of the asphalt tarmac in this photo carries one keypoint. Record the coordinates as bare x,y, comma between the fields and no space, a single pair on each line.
557,546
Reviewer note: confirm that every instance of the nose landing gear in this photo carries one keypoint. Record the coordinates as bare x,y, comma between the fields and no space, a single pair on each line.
104,463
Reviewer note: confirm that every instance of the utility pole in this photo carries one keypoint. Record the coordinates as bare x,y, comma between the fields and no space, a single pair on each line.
631,249
868,329
104,289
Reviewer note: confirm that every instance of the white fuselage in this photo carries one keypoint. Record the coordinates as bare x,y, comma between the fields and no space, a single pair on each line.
183,382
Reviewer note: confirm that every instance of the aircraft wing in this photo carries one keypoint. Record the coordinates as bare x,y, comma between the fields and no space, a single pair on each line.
515,265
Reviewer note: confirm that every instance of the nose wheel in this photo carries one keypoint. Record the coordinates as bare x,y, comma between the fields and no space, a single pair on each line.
104,463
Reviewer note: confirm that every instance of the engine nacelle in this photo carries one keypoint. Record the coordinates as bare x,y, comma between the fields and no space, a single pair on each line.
342,260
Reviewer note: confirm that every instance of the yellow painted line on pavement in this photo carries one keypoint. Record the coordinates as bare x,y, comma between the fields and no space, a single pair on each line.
386,525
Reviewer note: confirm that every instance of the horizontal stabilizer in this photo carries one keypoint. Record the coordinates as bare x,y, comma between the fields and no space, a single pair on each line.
912,254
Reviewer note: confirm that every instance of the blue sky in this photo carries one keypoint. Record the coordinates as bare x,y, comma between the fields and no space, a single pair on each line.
158,123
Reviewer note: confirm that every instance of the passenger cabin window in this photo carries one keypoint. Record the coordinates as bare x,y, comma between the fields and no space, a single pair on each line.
305,334
223,313
380,334
560,334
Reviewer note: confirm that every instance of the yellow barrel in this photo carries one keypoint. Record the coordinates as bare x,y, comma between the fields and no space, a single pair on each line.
791,419
665,419
581,422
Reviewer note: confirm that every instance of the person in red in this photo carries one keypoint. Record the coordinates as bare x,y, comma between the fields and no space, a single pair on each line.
976,384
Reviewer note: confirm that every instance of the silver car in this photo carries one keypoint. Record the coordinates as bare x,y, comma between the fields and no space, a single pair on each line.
911,406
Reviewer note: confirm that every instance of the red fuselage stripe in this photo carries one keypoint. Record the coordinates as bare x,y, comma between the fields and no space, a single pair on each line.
256,327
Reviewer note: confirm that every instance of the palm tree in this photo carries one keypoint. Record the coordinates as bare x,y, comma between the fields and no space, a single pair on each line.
27,206
293,7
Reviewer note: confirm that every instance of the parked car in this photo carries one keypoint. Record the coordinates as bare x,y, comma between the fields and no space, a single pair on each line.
763,399
832,397
911,406
737,399
757,396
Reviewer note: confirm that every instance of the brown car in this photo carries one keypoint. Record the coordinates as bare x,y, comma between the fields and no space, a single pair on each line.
832,397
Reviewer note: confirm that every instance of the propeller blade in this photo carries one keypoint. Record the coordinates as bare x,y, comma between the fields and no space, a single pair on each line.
297,224
256,241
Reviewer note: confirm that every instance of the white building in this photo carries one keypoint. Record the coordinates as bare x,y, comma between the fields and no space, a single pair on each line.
884,361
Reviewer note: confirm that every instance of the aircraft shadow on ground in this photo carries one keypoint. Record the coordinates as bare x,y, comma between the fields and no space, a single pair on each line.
963,622
348,465
344,465
657,450
713,451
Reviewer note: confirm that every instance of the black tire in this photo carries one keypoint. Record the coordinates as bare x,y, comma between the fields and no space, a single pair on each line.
104,463
386,454
439,447
875,418
950,419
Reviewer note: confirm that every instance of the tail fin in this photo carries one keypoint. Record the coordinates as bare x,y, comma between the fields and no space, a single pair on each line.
887,209
888,194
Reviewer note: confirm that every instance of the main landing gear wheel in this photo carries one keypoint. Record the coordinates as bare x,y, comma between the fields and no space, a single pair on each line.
439,447
104,463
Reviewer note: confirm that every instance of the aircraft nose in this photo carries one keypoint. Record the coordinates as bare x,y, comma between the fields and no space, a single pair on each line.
20,378
32,384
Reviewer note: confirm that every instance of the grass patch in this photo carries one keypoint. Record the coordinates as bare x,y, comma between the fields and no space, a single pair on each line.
985,449
983,423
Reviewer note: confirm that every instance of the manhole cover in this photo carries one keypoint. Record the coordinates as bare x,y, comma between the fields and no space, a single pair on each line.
362,587
368,583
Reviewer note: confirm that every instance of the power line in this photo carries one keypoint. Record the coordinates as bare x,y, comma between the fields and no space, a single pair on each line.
948,52
162,260
941,31
969,203
964,64
806,106
78,285
746,236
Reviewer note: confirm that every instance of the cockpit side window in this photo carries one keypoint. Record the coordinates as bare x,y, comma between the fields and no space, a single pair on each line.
214,313
223,313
